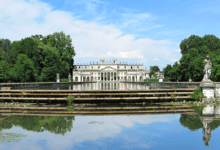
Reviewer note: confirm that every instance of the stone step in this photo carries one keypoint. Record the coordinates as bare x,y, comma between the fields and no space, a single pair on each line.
95,94
94,112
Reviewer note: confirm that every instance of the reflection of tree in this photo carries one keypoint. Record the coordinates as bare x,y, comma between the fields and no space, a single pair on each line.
54,124
215,124
191,122
206,122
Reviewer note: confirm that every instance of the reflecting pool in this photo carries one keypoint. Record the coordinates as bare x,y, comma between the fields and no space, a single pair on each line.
167,131
104,86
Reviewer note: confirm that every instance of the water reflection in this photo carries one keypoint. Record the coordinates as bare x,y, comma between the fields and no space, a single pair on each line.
139,131
109,86
54,124
209,120
90,86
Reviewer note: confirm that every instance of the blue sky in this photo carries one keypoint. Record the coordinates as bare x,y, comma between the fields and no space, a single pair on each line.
141,31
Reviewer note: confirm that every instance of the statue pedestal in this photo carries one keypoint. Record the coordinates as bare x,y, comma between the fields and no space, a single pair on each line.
160,80
58,80
208,90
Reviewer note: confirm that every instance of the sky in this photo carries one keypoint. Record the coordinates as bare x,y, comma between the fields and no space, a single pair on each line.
141,31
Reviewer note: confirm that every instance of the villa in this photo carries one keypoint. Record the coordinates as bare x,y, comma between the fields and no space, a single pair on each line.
109,71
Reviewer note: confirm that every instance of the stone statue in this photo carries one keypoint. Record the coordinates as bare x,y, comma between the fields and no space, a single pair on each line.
207,69
58,78
69,76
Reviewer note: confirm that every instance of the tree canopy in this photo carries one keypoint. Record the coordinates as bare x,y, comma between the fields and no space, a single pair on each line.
37,58
194,50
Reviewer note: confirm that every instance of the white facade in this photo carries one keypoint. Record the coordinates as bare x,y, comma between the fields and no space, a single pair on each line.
111,71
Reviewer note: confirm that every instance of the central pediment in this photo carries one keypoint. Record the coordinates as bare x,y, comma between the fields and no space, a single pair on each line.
108,68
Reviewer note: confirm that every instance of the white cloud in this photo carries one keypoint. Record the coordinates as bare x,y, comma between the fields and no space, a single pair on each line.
132,54
20,19
176,50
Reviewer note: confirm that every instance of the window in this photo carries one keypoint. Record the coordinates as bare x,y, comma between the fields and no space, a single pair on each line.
99,67
138,67
131,67
118,67
125,67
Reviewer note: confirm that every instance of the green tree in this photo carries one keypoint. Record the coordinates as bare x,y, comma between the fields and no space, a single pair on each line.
154,69
4,71
193,41
212,42
184,67
63,43
203,51
167,69
2,54
6,52
174,73
23,70
196,69
51,61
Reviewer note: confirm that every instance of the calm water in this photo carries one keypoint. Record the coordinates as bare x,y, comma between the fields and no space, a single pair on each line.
104,86
175,131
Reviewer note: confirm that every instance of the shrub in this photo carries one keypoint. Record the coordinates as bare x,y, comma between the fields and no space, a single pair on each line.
151,80
70,99
198,94
65,80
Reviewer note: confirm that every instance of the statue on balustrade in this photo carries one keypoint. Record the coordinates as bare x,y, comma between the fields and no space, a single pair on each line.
207,69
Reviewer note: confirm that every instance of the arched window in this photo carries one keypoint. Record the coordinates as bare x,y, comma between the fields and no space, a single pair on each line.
131,67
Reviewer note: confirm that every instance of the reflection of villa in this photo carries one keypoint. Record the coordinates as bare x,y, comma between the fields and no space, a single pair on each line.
111,71
109,86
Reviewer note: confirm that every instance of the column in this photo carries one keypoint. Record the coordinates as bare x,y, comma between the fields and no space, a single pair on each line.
101,76
110,76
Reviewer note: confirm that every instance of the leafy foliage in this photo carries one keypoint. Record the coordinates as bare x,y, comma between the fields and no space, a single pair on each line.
23,70
154,69
151,80
54,124
47,56
194,50
198,94
4,70
191,122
